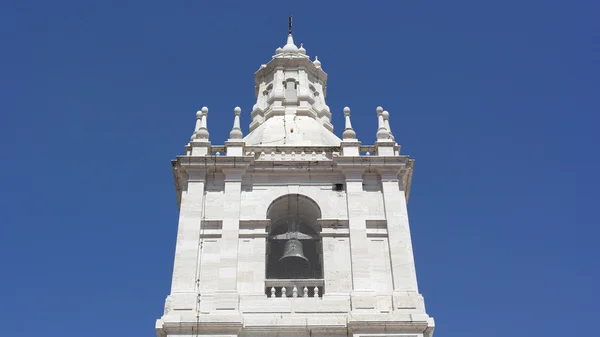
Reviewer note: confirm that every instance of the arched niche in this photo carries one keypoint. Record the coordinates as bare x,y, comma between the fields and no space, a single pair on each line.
294,212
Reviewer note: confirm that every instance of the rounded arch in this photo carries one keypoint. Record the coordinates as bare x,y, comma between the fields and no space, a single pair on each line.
294,214
300,206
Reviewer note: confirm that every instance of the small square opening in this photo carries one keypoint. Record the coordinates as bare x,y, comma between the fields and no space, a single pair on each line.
338,187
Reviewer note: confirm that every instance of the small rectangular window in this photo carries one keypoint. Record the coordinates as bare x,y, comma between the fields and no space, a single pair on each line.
338,187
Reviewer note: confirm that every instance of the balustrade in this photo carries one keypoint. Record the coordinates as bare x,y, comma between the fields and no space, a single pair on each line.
305,288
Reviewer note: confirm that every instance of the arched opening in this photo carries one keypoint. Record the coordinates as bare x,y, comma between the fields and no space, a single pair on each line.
294,246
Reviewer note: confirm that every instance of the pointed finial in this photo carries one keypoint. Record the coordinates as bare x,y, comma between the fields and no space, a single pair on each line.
301,50
198,122
386,119
290,25
348,131
290,47
203,130
236,132
316,62
382,132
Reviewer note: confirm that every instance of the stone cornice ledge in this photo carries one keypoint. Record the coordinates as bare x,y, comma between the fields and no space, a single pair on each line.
210,162
401,165
294,322
420,323
182,164
320,165
212,323
374,161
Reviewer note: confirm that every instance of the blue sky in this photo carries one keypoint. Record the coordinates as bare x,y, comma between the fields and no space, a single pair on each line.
497,102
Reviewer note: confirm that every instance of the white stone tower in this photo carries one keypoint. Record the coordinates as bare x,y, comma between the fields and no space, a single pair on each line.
291,231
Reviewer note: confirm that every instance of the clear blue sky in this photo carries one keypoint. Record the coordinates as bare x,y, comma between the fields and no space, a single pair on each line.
497,102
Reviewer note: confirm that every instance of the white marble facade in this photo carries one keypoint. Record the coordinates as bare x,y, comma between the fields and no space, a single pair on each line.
353,197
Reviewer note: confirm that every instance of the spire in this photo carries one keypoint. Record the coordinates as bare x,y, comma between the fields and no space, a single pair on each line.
348,131
386,119
198,122
203,130
290,47
236,132
290,50
382,131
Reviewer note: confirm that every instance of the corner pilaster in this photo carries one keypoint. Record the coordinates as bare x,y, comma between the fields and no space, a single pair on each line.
190,217
401,254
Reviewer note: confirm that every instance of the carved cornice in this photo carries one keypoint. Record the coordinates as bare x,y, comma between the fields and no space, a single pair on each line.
289,64
352,167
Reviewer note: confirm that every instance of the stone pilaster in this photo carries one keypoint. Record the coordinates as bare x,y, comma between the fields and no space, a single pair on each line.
227,295
362,294
183,287
406,294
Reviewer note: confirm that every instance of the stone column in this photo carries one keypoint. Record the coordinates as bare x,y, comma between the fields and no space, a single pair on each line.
227,296
183,286
403,265
362,294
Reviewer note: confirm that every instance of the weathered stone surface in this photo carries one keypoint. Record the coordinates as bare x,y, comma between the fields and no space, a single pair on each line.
351,198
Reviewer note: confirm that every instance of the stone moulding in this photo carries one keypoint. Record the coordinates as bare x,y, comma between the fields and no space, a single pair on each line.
358,325
403,164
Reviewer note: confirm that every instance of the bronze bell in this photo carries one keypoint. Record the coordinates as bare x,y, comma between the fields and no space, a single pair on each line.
293,260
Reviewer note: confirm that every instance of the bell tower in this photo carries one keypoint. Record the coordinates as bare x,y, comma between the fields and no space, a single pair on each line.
291,230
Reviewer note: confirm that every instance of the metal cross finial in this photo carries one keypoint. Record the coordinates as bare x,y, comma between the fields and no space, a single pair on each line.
290,25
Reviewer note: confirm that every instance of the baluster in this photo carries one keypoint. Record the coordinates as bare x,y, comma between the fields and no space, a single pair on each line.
272,292
316,292
305,291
